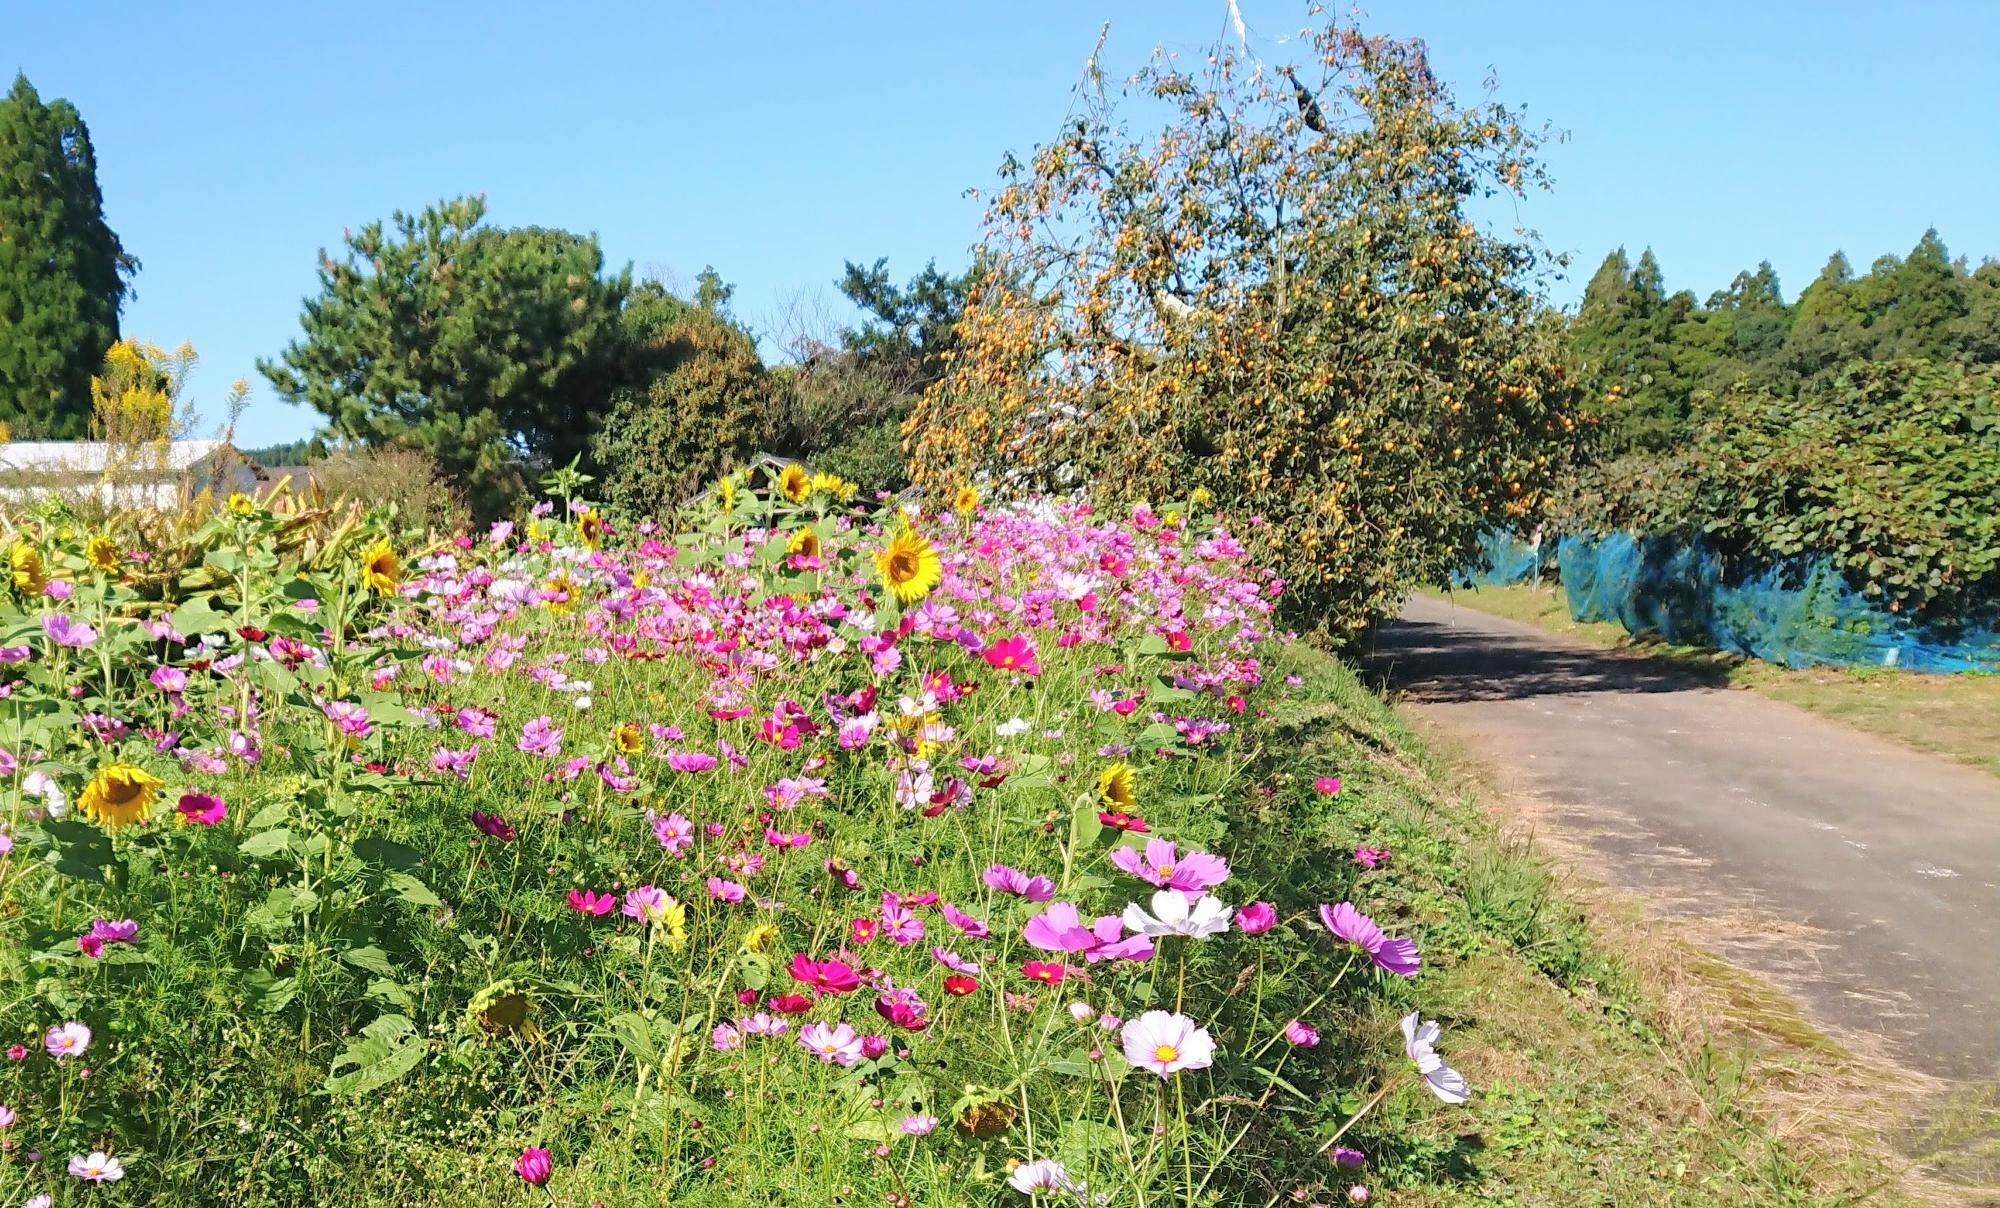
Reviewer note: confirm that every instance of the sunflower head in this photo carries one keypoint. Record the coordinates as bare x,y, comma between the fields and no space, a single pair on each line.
804,543
381,571
629,739
760,937
119,795
1115,788
240,504
101,552
966,501
909,566
31,574
794,483
503,1008
590,528
832,484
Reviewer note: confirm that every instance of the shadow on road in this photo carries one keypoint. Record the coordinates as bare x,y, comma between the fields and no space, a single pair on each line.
1438,662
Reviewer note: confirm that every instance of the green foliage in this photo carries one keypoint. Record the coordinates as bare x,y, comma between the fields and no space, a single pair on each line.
1278,296
1891,469
482,347
290,453
696,399
1650,356
63,272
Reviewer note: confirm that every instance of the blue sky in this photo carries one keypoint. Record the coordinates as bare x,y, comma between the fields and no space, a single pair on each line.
773,140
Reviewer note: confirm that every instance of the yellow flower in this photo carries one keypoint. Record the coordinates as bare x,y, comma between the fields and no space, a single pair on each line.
640,579
965,501
629,739
31,575
832,484
380,571
1115,788
804,543
102,553
725,492
590,528
1202,496
119,795
675,919
794,483
909,566
241,504
760,937
566,587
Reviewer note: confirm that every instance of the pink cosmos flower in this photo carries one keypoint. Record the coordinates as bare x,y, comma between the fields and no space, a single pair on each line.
836,1043
726,891
1166,1043
690,761
1014,881
835,977
456,763
1163,866
533,1166
1012,654
971,927
1256,918
1398,956
67,1040
97,1167
65,630
952,960
202,809
494,825
1371,857
1328,785
1059,929
898,924
918,1126
725,1037
541,737
476,723
902,1007
1300,1034
584,901
674,832
349,718
647,903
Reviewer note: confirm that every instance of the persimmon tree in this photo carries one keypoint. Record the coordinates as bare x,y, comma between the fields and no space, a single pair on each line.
1270,283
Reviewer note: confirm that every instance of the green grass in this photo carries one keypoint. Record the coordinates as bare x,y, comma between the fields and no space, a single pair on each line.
1591,1091
1957,716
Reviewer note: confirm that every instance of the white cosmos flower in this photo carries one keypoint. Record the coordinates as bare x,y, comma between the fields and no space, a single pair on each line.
1043,1174
1167,1043
1008,729
1419,1042
1174,914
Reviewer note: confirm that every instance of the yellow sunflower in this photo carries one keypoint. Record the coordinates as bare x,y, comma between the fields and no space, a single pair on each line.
1115,788
380,570
102,553
760,937
119,795
794,483
965,501
590,528
804,543
629,739
241,504
832,484
909,566
31,574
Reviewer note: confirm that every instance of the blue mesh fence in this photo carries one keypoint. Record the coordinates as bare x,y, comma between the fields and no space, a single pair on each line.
1801,612
1504,559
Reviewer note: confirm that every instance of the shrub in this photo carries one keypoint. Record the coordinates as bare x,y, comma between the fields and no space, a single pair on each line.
1890,470
408,481
699,403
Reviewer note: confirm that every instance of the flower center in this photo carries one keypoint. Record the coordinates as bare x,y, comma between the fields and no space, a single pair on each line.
902,567
1165,1053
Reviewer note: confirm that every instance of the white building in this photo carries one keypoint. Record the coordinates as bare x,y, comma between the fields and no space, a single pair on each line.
123,476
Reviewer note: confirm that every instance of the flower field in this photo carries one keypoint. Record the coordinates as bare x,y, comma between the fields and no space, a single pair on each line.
823,854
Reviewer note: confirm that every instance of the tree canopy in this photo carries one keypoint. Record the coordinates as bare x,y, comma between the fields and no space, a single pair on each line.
63,273
484,347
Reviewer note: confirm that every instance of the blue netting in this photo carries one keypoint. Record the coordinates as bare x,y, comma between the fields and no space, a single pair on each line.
1503,559
1801,612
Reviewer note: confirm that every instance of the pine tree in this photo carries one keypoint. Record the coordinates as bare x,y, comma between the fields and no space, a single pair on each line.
1929,299
63,272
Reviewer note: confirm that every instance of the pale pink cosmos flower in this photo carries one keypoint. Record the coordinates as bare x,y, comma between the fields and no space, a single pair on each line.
674,832
971,927
67,1040
726,891
1167,1043
1165,867
835,1043
1420,1044
96,1167
918,1126
953,961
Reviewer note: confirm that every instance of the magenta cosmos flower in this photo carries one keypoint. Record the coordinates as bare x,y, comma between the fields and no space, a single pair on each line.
1014,881
1256,918
585,901
534,1166
1398,956
202,809
1165,867
1012,654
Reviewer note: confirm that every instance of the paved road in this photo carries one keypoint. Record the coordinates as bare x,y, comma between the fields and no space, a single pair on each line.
1857,874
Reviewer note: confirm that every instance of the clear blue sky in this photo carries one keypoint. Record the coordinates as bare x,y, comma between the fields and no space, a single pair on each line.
774,140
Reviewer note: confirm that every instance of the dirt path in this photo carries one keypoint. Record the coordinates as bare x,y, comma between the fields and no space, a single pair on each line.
1858,875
